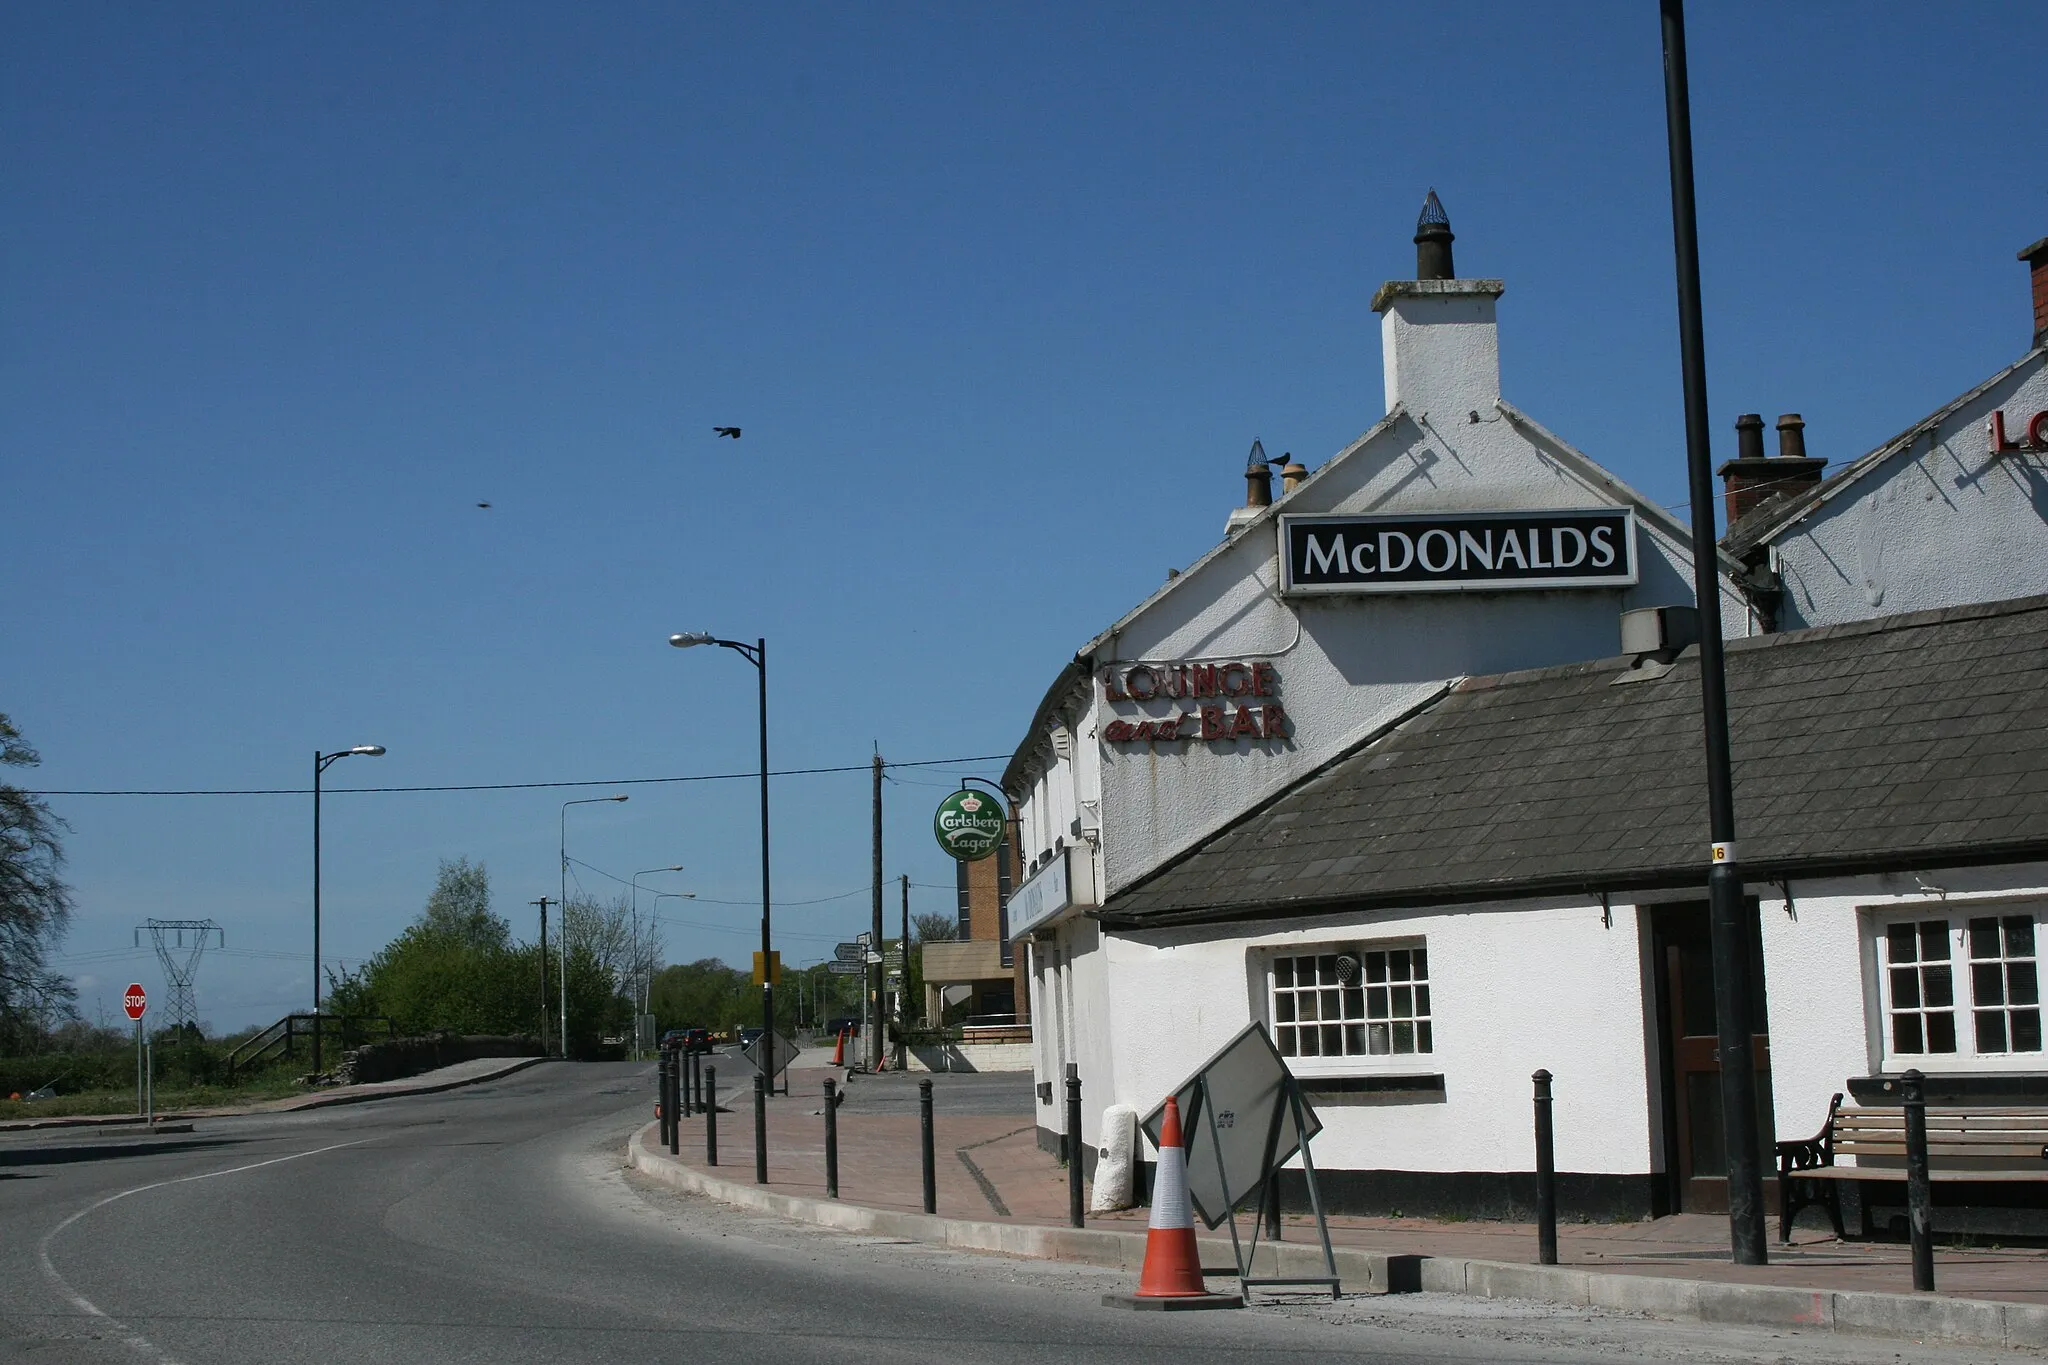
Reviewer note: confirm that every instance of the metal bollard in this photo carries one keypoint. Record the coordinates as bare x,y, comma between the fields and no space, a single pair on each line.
669,1108
1073,1145
711,1116
931,1170
760,1129
831,1139
1919,1197
696,1080
1546,1175
661,1097
683,1082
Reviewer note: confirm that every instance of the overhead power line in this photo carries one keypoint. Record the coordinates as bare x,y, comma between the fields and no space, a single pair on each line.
752,775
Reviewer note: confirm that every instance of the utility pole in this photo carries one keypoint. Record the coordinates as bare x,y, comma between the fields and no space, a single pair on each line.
872,978
1727,913
543,903
903,990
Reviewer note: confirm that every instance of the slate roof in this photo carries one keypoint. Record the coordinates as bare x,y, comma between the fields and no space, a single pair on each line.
1907,742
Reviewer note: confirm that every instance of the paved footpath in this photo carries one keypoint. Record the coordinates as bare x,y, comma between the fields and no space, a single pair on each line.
997,1190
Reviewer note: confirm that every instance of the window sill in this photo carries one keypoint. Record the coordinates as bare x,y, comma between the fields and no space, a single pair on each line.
1338,1091
1957,1087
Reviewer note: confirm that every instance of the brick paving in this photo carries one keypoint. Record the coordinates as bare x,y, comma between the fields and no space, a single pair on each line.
989,1167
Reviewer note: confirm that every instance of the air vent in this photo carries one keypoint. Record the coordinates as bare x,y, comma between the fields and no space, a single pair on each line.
1347,969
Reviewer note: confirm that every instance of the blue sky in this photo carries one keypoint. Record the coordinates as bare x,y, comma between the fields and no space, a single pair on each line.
999,295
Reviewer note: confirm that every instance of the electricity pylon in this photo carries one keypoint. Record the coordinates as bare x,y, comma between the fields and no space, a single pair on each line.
180,943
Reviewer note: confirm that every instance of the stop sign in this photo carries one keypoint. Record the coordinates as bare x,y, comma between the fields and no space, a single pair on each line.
135,1002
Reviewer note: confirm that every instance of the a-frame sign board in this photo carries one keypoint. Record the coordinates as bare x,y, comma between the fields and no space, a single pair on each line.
1245,1117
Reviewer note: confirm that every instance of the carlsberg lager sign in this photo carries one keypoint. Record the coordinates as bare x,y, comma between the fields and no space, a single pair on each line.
969,825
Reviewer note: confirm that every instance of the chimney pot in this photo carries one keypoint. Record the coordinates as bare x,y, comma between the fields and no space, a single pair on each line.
1433,240
1791,436
2036,257
1749,436
1258,477
1750,480
1292,474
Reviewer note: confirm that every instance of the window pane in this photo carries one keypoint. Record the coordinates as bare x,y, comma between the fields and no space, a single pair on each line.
1333,1004
1283,971
1422,1000
1333,1040
1376,1039
1375,966
1404,1037
1905,988
1990,1030
1987,983
2019,935
1354,1003
1286,1041
1423,1042
1307,1002
1404,1002
1906,1033
1899,943
1419,959
1941,1032
1326,969
2026,1030
1283,1008
1376,1003
1983,938
1308,1043
1940,989
1397,966
1354,1040
2021,986
1934,940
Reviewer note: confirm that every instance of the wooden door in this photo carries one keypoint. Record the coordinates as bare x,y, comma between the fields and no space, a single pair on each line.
1698,1145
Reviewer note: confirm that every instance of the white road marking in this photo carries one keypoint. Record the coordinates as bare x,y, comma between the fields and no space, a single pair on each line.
133,1339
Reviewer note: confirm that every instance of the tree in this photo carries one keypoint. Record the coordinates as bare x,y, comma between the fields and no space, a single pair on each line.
935,928
35,904
608,934
459,909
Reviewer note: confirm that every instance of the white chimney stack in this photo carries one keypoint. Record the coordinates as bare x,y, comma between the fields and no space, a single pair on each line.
1439,344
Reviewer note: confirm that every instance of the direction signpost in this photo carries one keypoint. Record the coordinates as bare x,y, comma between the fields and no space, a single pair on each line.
845,968
136,1001
847,952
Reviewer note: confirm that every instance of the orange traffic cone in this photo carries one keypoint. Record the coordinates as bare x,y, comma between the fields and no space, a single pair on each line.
839,1052
1172,1277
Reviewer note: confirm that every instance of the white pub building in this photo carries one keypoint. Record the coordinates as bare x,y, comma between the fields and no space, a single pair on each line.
1386,771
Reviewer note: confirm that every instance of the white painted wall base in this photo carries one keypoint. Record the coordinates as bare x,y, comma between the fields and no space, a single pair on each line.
972,1057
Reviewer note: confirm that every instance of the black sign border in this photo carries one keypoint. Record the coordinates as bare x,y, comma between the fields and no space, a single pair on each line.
1289,588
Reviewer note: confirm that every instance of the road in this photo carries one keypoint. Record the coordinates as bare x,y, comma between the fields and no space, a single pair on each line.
494,1224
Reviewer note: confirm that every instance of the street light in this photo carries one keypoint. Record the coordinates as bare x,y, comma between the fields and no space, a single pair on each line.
320,765
677,867
757,655
562,1019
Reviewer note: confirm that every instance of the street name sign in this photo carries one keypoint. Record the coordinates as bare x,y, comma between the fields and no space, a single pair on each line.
847,952
844,968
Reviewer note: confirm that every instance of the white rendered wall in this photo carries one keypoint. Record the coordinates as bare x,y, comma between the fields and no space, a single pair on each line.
1512,990
1939,524
1819,986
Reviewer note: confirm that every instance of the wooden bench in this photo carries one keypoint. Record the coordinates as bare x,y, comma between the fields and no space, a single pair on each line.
1965,1143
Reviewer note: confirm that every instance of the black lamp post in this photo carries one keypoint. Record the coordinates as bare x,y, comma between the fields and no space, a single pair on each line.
757,655
320,765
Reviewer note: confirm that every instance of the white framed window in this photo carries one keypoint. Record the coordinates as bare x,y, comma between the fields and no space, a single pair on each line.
1350,1007
1959,987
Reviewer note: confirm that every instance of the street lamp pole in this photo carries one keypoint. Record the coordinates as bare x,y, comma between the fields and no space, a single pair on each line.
635,995
562,1018
647,982
757,655
320,765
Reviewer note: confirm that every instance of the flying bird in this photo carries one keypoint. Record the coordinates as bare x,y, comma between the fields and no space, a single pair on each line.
733,432
483,504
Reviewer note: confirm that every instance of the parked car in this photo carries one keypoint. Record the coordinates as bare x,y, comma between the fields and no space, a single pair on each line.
748,1035
686,1039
